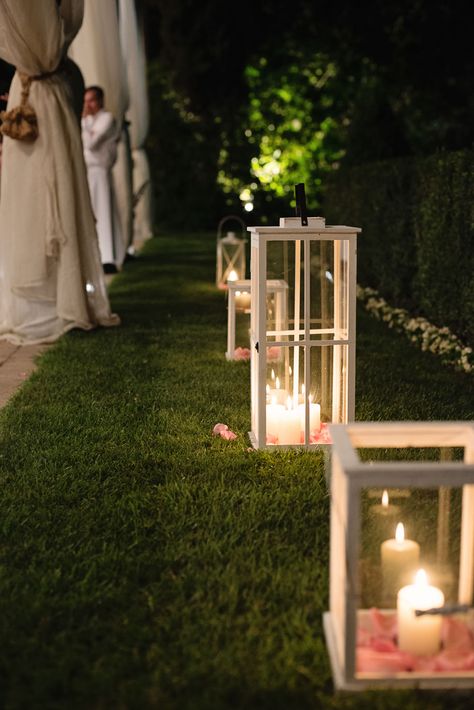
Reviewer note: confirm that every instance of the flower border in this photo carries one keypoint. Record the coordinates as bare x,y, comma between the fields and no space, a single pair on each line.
440,341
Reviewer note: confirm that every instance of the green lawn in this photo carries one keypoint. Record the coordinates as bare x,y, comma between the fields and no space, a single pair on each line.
145,563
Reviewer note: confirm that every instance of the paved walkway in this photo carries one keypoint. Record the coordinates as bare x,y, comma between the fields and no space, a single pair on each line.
17,362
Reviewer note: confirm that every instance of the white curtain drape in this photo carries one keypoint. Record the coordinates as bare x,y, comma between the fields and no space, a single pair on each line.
51,276
98,52
133,47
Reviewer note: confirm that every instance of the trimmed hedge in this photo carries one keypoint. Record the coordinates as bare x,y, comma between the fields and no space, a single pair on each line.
417,243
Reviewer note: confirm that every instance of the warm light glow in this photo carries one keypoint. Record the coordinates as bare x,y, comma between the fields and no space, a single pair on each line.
289,403
268,389
302,390
90,287
273,374
237,293
274,400
277,383
421,579
385,499
290,371
310,398
400,533
232,276
248,207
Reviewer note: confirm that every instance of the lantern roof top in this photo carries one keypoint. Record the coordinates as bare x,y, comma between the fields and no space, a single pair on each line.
290,225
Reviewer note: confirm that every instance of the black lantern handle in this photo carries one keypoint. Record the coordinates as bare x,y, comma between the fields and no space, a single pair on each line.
300,197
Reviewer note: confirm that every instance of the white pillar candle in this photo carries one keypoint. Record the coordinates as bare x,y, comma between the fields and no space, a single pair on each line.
242,300
286,423
277,393
420,635
274,414
314,416
400,559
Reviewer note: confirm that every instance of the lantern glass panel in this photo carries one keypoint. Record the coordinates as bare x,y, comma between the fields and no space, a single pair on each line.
282,259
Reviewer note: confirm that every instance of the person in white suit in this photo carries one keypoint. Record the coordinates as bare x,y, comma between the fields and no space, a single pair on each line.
99,138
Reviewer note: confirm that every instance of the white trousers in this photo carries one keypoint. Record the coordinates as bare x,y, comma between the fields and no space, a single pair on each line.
105,211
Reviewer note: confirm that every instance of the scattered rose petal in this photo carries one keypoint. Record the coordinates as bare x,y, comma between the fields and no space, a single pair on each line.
228,434
218,428
377,651
272,439
242,354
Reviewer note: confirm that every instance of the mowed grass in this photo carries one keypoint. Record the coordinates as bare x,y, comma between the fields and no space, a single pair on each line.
145,563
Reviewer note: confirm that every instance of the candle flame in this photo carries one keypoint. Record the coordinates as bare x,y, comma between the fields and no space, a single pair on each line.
277,383
273,374
290,371
421,578
385,499
237,293
302,390
232,276
400,533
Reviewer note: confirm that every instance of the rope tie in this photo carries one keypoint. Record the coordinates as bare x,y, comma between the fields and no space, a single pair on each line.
21,122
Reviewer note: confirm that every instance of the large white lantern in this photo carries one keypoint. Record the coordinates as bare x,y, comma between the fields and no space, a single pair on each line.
230,252
401,555
302,370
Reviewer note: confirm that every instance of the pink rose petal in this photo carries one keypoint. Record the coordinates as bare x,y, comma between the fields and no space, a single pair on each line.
272,439
371,661
218,428
228,434
241,354
273,353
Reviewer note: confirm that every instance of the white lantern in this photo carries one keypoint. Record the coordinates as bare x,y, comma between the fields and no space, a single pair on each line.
230,253
239,308
401,580
302,370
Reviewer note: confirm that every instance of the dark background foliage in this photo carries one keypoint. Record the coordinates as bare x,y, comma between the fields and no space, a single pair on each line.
401,86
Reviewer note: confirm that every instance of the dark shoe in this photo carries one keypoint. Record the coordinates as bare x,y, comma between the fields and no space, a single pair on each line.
110,269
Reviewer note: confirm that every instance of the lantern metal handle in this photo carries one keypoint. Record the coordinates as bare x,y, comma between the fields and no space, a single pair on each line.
234,218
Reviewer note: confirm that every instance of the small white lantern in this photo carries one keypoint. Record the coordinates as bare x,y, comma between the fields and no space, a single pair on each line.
239,308
230,253
302,371
401,604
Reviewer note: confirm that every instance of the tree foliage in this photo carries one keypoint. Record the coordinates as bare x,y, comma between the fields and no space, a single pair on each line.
286,92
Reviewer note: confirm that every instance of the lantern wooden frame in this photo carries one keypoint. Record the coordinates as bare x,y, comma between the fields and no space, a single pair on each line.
276,289
349,475
333,340
230,253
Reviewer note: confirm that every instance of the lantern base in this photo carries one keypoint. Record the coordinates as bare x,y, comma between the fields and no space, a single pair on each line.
324,444
362,681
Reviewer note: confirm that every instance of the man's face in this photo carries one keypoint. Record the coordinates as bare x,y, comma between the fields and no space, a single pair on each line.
92,103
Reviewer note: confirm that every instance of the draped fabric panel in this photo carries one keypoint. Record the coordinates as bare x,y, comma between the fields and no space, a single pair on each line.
98,52
133,47
51,276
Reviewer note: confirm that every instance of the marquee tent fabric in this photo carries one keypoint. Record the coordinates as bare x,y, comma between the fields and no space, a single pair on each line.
133,47
51,276
98,52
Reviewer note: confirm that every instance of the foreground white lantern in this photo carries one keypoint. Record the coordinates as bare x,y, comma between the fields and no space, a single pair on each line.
383,584
302,372
239,308
230,253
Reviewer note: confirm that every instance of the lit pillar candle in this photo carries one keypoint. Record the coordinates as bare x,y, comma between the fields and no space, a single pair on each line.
286,423
420,635
385,509
314,416
400,559
233,276
242,300
274,414
280,395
